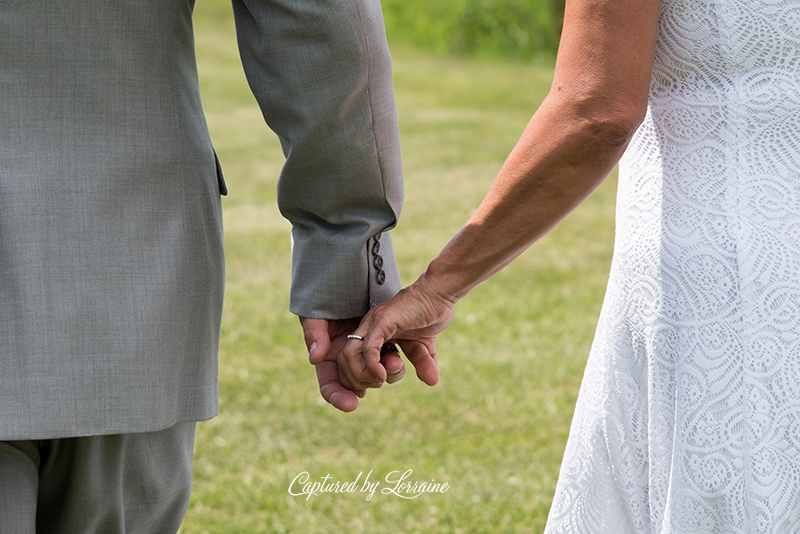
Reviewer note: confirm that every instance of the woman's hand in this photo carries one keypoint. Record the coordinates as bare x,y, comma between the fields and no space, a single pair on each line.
412,319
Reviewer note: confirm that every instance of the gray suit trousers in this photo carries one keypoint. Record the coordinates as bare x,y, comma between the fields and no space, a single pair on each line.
126,483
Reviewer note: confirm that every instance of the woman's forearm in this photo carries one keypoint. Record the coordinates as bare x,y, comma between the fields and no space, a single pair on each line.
597,100
561,158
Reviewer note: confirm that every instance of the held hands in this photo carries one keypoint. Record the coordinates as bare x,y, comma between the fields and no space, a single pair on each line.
347,367
324,339
412,318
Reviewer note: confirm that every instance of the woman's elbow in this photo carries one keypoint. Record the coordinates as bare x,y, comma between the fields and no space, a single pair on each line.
605,131
600,119
614,128
607,128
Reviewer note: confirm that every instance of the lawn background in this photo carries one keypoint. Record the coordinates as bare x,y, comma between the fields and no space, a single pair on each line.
495,427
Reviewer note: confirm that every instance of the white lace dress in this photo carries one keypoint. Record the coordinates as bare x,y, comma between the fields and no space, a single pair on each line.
688,418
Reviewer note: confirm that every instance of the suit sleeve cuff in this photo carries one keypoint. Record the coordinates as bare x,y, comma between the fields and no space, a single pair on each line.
336,281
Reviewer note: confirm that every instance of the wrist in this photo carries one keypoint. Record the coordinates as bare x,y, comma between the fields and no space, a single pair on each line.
441,284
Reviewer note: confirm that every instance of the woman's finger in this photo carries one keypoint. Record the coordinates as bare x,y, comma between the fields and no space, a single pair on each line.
423,357
355,371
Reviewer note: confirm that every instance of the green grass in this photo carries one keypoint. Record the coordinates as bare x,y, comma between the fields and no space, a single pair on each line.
484,28
495,427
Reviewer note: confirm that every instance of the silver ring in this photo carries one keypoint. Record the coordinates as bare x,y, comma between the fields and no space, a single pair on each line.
353,336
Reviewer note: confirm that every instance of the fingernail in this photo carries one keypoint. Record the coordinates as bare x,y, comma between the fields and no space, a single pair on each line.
311,350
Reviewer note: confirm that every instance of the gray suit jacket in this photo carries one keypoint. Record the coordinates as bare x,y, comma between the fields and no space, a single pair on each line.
111,258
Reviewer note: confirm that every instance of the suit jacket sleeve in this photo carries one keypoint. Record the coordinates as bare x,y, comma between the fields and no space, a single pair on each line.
321,72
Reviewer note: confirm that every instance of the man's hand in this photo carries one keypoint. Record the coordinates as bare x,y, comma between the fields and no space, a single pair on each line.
324,340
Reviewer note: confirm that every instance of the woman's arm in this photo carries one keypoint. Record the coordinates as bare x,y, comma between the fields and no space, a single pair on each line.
597,101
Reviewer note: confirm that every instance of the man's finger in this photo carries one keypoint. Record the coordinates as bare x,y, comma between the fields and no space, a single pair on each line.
318,341
393,363
332,390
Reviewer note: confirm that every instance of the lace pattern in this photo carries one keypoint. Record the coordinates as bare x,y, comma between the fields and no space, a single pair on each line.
688,418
